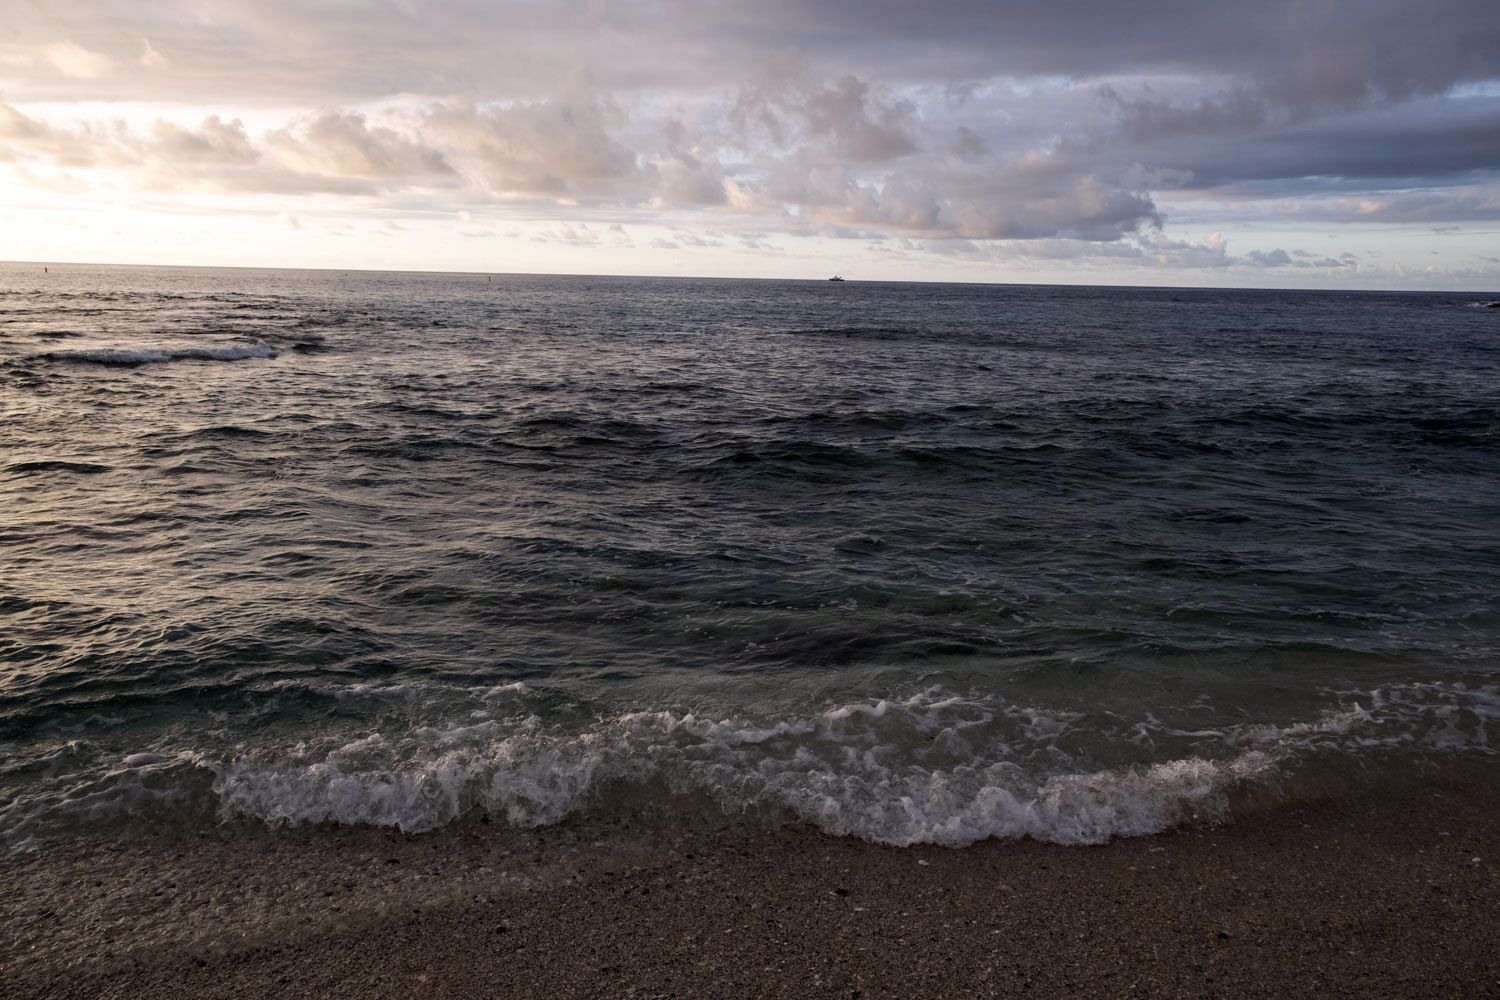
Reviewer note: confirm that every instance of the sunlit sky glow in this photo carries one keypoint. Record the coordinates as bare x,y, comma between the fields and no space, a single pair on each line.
1319,143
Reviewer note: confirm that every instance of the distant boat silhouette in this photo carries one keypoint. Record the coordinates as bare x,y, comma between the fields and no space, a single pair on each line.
835,278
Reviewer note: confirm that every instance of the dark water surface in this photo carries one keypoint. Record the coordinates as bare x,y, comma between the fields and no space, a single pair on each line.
914,562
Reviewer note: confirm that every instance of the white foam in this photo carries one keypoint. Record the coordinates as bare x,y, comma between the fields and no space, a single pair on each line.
894,771
141,356
930,767
519,774
966,805
532,777
1338,722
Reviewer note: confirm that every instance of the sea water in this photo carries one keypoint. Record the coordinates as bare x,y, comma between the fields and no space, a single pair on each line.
914,563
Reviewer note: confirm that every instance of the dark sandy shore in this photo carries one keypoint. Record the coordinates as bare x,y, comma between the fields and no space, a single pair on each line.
1388,892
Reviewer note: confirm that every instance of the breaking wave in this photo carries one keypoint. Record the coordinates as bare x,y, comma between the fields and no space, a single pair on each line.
931,768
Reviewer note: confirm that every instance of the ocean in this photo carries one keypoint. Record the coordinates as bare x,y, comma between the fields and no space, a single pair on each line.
914,563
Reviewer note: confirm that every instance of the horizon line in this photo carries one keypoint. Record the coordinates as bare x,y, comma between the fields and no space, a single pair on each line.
715,277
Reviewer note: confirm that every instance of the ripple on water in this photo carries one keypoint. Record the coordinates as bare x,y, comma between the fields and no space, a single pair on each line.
283,546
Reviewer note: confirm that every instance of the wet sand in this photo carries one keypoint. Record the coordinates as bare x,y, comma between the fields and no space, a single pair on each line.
1366,893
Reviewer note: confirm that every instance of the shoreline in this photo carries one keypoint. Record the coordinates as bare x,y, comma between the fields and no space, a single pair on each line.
1377,890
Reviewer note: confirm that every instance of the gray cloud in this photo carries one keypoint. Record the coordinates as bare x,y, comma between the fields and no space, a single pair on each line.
1290,50
1450,138
846,119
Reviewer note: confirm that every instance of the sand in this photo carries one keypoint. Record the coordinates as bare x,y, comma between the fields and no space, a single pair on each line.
1374,892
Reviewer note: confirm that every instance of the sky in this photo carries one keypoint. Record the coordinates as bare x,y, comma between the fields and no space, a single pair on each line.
1283,143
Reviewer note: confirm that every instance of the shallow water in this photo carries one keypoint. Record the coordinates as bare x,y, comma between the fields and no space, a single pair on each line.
914,562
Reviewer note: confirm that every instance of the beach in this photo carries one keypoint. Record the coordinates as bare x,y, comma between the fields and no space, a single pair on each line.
426,636
1375,891
749,500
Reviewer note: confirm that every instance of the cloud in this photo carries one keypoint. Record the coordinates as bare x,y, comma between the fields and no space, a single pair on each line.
344,145
1289,50
691,239
848,119
687,172
1416,207
1168,253
1273,258
756,241
1022,199
1453,139
581,235
1145,251
556,148
27,139
151,58
214,141
331,152
76,62
962,131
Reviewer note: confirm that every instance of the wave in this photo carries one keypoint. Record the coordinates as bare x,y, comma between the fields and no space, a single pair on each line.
57,465
917,770
934,767
859,332
138,356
